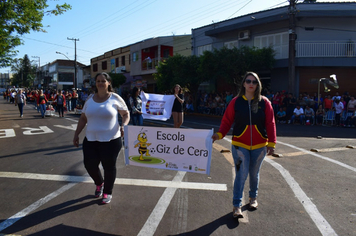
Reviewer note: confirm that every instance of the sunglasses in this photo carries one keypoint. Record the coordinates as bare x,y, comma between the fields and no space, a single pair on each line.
248,81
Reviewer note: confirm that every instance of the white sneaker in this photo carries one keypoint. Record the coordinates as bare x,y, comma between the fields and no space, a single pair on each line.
237,213
253,203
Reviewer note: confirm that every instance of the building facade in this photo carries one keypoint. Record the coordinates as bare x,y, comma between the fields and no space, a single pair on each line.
60,75
325,36
138,61
5,80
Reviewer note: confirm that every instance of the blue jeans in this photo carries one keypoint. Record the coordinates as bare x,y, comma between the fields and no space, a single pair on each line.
246,162
137,119
301,117
43,109
69,105
20,106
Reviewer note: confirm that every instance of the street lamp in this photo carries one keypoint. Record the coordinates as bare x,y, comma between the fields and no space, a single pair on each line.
63,55
332,81
75,70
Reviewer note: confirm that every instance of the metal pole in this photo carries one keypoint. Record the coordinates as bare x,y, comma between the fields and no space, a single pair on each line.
318,92
291,61
75,61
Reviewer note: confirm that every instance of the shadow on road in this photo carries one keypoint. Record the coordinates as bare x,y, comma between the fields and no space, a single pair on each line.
53,212
209,229
61,230
48,151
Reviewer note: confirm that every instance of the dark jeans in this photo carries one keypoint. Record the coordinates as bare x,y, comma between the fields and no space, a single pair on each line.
74,103
105,153
337,119
20,105
60,109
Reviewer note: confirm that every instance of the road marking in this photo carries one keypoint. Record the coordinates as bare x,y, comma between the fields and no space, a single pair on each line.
320,222
227,155
301,153
229,158
156,216
320,156
119,181
71,127
10,221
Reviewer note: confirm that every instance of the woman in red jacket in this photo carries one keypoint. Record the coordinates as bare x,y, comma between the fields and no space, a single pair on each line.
254,136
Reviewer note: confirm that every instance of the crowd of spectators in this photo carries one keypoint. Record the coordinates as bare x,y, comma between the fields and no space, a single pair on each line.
339,110
289,109
74,99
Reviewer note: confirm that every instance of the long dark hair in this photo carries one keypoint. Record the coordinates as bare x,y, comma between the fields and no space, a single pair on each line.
108,78
257,94
133,92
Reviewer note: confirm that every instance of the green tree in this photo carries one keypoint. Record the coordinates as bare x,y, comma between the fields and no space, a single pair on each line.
180,70
25,72
230,65
117,79
18,18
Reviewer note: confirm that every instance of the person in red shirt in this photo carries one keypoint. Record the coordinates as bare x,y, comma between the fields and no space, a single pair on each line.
253,136
60,101
41,103
328,103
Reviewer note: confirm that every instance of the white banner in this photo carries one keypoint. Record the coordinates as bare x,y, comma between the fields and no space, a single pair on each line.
169,148
156,106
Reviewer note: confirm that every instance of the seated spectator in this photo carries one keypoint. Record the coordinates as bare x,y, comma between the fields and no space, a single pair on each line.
351,105
189,108
228,98
213,105
320,113
222,106
206,109
201,105
281,116
351,120
309,115
298,113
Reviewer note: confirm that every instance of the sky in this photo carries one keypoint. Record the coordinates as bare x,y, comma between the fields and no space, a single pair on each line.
102,26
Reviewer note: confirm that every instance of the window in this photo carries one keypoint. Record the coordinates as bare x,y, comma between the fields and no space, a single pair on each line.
279,43
204,48
116,62
135,56
231,44
104,65
122,60
95,67
166,53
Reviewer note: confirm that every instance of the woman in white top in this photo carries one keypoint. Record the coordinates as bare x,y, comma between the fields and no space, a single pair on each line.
102,142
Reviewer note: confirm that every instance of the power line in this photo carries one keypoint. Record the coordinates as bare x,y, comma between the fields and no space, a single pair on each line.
239,9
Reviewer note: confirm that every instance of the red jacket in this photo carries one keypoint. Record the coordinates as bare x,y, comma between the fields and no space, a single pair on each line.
42,99
251,130
64,99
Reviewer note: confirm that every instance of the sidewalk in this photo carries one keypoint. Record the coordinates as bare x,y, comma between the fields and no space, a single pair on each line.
296,130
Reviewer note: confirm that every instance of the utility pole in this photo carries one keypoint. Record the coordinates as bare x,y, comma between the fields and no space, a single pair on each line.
75,61
39,69
292,38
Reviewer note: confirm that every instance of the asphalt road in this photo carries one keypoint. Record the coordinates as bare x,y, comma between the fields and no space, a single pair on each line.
45,189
